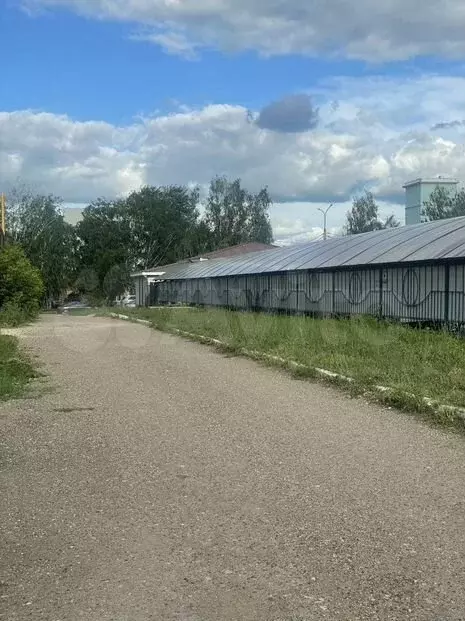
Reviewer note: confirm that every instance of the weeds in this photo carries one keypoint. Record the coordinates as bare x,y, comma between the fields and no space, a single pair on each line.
12,315
15,370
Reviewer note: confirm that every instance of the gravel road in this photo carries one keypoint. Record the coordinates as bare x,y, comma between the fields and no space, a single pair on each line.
157,479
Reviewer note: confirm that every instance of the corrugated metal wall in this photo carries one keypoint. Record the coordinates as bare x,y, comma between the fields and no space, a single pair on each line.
410,293
415,293
456,306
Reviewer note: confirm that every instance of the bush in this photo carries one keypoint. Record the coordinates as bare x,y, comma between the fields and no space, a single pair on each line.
21,286
11,315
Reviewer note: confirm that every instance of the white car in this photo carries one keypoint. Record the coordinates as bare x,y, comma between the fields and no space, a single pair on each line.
130,301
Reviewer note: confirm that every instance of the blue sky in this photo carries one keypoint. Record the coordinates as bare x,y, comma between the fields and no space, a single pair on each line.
100,97
88,69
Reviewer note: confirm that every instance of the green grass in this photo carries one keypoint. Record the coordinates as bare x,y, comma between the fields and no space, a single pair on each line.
81,312
413,363
11,315
15,369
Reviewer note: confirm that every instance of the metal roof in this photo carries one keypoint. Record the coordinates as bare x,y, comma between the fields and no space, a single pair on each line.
439,180
439,240
232,251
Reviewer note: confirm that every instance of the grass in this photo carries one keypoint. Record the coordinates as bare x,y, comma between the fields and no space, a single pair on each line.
415,364
15,369
12,315
81,312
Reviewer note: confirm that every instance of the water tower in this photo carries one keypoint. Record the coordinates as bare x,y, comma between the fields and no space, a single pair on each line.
418,191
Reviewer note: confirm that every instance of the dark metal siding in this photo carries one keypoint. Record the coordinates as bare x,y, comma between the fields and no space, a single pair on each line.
414,293
456,293
356,292
429,292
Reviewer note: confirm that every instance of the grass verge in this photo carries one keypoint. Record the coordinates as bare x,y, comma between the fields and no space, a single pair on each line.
421,368
81,312
11,315
15,369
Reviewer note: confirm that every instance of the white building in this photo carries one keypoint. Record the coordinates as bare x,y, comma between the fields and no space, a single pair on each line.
418,191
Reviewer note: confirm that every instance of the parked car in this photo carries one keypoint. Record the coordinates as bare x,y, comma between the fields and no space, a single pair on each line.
129,301
74,305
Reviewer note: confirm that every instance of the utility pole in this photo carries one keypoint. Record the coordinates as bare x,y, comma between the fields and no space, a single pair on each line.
2,220
325,212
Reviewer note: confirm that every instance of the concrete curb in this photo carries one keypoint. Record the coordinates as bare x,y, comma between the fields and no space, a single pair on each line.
437,408
127,318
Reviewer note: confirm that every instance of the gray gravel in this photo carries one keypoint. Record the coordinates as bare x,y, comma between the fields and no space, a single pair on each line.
158,479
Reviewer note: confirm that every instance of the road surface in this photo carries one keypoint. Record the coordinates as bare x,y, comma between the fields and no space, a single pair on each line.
158,479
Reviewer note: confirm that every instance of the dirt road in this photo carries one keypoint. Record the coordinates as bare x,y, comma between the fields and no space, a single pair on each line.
157,479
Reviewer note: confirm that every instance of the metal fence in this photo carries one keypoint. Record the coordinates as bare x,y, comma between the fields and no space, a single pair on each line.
413,293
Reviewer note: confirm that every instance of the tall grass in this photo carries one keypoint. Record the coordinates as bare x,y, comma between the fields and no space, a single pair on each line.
12,315
424,363
15,369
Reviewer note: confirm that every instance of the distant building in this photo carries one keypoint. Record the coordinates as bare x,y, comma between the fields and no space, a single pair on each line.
146,281
418,191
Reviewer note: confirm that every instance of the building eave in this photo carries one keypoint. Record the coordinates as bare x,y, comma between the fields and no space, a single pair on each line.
431,180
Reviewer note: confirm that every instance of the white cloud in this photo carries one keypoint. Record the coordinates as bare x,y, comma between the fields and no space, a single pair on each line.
173,43
361,29
377,136
72,159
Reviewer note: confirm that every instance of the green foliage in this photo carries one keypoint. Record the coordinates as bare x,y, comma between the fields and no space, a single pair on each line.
87,281
15,370
161,221
37,224
105,249
21,286
444,204
235,216
115,282
12,315
201,239
152,226
160,225
364,216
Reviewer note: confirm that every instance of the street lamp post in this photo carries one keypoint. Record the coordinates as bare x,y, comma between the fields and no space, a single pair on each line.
325,212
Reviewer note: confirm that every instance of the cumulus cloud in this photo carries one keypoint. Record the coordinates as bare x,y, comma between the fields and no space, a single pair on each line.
72,159
291,114
374,138
360,29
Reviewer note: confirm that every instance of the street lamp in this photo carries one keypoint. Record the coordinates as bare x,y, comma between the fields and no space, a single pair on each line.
324,212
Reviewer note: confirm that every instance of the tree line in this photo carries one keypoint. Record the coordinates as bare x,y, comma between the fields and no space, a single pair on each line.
155,225
46,256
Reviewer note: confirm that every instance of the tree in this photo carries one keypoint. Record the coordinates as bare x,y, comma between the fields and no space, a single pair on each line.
105,249
21,284
162,220
443,204
37,223
259,220
364,216
200,239
235,216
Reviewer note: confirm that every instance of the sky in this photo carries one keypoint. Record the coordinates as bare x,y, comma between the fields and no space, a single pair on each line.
315,100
